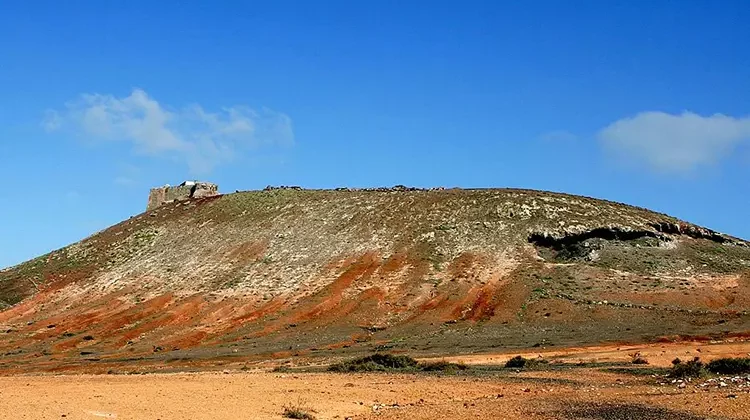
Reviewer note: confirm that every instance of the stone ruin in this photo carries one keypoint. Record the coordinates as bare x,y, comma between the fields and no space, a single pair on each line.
184,191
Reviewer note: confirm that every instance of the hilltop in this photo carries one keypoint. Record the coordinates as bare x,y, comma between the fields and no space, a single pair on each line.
324,273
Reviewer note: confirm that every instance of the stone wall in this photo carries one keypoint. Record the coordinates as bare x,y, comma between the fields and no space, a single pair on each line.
185,191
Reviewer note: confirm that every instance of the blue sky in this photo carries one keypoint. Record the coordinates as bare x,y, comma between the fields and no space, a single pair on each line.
643,102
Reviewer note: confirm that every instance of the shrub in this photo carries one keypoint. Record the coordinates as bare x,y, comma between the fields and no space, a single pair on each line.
730,366
442,366
297,411
637,359
375,363
516,362
691,369
388,362
524,363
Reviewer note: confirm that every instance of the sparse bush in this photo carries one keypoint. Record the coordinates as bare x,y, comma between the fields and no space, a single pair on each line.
690,369
637,359
516,362
442,366
375,363
387,362
281,369
298,411
524,363
730,366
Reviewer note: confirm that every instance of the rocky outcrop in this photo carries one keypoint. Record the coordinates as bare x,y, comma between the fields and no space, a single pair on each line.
580,246
692,231
184,191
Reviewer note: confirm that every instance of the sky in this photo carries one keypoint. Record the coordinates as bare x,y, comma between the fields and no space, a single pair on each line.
641,102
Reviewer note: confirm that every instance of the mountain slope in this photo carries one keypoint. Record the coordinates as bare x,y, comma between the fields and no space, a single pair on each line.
264,274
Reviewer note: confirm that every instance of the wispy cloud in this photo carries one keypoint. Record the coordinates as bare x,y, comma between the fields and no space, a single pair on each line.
675,143
200,138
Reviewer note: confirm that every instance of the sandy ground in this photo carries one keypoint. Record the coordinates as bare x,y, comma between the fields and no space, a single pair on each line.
658,354
571,393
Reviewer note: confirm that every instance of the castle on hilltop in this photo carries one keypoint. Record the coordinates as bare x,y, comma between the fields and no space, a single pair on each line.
184,191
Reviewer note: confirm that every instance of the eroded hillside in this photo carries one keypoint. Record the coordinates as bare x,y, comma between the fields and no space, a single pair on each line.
264,274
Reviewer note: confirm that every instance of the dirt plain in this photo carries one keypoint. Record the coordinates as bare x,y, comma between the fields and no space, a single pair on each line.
580,383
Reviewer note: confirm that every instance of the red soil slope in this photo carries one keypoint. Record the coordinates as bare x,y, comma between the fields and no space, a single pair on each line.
258,275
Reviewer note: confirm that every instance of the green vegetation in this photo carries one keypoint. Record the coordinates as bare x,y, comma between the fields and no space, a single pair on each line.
388,363
730,366
690,369
521,362
375,363
469,248
25,279
540,293
143,237
696,368
442,366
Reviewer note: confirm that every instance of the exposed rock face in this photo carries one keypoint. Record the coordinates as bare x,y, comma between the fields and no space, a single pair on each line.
693,231
287,271
184,191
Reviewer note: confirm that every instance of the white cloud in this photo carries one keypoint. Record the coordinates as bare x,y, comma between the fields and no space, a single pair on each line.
675,143
195,136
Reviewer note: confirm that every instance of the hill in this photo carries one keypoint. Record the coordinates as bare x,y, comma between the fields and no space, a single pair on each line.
320,273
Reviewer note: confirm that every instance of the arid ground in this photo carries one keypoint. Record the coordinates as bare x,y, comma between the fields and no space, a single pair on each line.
584,383
186,310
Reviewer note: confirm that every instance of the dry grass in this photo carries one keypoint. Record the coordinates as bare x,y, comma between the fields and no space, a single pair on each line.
298,411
